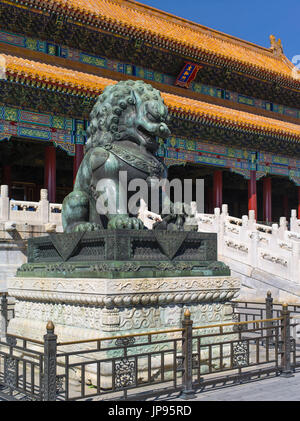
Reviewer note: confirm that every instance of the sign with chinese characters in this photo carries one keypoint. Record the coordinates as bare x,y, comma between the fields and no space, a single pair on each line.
187,74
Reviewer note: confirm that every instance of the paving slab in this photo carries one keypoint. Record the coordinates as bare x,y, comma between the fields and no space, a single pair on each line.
269,389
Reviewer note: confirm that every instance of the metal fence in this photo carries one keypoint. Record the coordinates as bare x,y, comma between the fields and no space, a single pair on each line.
7,312
120,367
252,310
246,310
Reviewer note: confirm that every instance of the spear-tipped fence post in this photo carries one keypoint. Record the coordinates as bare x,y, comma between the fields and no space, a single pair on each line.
4,314
269,315
49,378
269,305
187,355
286,370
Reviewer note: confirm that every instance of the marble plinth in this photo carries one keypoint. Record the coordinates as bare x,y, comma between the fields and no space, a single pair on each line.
92,308
83,309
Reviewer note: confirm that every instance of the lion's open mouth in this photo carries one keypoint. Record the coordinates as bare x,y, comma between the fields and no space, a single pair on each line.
149,137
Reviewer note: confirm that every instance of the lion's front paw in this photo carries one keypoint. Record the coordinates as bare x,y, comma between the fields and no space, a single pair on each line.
125,222
87,226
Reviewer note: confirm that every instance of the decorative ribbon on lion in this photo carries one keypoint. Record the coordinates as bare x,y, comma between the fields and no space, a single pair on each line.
187,74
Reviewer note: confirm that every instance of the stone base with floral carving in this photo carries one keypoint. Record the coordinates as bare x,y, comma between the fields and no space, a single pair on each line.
83,309
92,308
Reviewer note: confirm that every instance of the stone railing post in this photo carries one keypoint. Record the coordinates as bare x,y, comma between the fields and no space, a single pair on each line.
251,220
4,314
218,229
294,262
244,229
294,221
274,237
253,249
187,355
286,370
49,379
217,217
44,206
4,203
225,210
223,216
282,227
221,232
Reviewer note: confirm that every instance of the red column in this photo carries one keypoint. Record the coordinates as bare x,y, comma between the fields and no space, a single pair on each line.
50,172
267,199
218,189
79,152
252,199
6,177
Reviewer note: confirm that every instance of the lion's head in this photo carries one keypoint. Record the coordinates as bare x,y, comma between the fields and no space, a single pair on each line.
130,110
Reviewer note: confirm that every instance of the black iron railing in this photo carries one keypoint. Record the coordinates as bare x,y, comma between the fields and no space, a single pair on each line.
7,312
182,360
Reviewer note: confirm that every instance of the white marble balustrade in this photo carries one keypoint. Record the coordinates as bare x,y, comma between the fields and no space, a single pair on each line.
272,249
30,213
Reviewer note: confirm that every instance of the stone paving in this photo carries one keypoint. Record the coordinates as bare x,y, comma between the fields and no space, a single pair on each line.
272,388
269,389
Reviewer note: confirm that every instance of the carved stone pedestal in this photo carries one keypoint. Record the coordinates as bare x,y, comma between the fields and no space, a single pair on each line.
117,282
83,309
92,308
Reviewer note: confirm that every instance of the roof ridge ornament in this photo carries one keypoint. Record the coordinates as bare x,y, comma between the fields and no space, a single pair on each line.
276,46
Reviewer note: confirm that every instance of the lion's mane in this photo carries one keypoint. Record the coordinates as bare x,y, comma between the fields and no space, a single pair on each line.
105,115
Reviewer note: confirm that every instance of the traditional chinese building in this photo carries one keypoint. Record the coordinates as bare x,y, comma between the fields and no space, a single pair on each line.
234,106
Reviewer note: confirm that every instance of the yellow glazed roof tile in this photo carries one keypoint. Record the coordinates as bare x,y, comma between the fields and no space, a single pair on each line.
91,84
170,27
53,74
231,116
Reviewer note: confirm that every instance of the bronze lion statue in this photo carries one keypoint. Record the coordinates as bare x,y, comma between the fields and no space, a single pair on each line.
125,124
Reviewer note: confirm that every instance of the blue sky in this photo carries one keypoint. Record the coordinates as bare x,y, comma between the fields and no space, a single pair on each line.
251,20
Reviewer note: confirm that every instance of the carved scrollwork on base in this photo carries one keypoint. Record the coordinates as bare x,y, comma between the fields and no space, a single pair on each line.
180,294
